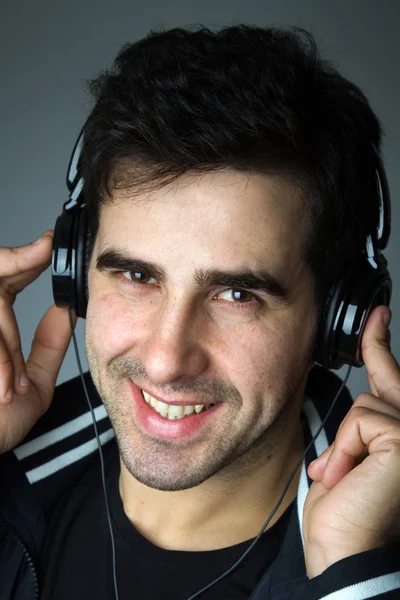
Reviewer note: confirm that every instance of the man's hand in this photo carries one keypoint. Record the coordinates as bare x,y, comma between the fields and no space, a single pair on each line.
26,388
353,505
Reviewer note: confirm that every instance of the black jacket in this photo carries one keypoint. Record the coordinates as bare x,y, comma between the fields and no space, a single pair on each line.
62,446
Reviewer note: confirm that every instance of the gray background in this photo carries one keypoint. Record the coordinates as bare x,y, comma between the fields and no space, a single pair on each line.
49,47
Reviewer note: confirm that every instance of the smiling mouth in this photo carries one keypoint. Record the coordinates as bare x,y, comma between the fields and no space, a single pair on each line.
173,412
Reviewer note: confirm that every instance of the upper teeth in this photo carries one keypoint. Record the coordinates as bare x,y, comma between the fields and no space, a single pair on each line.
172,412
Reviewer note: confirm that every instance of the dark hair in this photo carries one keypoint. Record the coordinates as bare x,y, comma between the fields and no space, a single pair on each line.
259,100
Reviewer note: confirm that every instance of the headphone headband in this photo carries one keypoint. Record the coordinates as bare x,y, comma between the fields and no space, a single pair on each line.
73,166
75,184
384,226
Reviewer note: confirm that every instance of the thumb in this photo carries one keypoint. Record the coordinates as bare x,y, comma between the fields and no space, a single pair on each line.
49,346
381,366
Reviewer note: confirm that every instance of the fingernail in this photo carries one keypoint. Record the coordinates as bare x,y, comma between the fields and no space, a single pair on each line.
23,380
37,241
386,318
9,393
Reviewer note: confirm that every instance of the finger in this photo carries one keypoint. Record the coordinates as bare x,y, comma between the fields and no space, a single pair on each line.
382,367
20,266
372,386
49,347
339,464
12,363
317,467
370,401
364,432
6,374
366,401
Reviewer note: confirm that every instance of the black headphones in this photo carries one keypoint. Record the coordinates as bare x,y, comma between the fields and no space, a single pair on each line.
362,286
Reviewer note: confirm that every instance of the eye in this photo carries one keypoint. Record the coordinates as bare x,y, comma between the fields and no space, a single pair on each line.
237,296
137,277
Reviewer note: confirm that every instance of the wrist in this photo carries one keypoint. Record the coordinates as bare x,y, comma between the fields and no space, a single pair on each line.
318,558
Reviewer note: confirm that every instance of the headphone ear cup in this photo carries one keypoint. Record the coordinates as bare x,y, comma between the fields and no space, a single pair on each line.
323,333
81,257
69,260
348,306
63,266
88,251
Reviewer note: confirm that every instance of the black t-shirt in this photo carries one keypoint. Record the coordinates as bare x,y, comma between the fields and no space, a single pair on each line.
76,560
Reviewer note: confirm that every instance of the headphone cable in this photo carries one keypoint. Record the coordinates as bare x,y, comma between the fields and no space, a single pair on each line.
100,452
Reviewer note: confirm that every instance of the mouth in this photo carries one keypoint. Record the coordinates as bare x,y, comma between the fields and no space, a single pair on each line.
176,420
174,411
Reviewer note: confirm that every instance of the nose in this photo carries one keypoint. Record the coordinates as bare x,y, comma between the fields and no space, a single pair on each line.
173,348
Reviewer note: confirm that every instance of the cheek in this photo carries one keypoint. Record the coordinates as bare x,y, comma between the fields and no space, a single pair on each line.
257,358
110,328
268,360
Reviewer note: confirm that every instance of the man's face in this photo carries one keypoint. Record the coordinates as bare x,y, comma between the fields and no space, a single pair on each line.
189,329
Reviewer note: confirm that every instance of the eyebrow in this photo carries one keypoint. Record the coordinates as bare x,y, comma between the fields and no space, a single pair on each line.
260,279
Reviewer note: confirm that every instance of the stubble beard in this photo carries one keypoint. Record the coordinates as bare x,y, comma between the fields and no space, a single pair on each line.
166,466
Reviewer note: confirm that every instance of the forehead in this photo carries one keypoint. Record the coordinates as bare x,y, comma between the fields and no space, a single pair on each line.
226,214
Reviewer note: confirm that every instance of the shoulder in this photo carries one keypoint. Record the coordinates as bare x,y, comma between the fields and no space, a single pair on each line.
63,444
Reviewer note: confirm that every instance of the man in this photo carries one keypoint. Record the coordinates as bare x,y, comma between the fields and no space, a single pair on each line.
229,179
